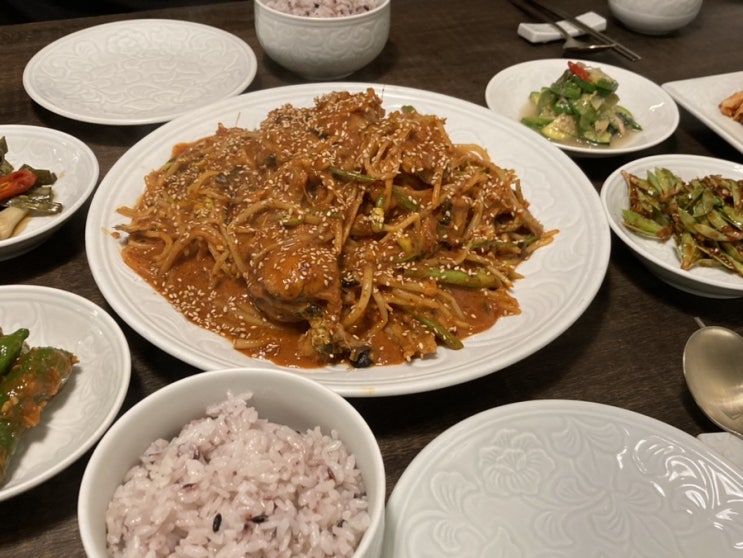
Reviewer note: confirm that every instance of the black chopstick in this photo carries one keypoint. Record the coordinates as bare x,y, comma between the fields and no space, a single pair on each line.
560,14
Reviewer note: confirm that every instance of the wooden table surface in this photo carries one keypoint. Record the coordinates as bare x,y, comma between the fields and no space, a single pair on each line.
626,348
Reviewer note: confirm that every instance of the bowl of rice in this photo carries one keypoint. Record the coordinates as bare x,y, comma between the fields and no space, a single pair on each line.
322,40
236,462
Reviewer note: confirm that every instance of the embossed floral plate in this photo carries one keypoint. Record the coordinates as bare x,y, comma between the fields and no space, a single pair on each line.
507,93
138,71
559,282
702,96
565,479
88,403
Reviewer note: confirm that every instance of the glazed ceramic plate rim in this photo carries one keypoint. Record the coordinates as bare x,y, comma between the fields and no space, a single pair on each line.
65,104
701,97
701,281
445,455
38,229
574,264
507,93
55,304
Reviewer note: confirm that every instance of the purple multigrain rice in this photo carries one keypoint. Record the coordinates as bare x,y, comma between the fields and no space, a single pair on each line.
233,484
322,8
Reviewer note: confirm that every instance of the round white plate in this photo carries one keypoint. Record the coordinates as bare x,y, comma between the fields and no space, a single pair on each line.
565,479
661,257
508,91
560,280
702,96
88,403
138,71
77,171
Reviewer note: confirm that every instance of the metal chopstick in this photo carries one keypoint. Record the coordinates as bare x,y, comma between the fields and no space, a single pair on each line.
560,14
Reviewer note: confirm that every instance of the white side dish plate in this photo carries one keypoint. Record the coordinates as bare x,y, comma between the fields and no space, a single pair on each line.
88,403
69,158
661,257
508,91
138,71
702,97
560,280
564,479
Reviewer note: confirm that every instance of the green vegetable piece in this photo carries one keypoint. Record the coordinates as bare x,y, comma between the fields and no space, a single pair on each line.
447,337
11,346
44,177
536,122
643,225
477,279
34,379
404,200
350,175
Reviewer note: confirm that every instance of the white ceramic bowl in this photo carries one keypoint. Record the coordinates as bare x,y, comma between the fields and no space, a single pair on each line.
655,17
661,257
322,48
77,174
85,407
278,396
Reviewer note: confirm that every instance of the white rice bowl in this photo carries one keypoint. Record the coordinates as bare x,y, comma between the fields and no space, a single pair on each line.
236,462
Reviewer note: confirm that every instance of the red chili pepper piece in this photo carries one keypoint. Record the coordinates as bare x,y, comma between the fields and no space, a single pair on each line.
15,183
579,70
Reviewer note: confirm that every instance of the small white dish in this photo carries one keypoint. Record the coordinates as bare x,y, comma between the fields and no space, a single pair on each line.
565,478
508,91
138,71
702,96
558,285
660,257
77,171
87,405
279,397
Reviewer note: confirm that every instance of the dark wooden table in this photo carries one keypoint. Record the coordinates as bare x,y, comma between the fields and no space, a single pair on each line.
624,351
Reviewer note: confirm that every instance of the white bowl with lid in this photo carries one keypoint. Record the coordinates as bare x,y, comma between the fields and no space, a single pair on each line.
655,17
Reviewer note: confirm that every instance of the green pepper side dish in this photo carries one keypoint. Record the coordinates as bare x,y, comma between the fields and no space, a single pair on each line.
704,216
581,106
11,346
33,380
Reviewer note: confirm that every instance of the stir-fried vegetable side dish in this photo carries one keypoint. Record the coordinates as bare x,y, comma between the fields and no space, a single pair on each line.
581,106
335,233
704,216
22,192
29,378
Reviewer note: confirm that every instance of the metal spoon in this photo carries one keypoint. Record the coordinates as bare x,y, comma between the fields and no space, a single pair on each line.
713,368
572,44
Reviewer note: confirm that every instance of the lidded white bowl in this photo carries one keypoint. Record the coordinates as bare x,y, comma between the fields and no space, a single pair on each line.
655,17
322,48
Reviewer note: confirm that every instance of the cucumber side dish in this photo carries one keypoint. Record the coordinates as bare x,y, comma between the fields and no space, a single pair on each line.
581,106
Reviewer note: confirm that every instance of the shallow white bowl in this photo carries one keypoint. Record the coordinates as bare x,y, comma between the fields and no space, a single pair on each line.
660,257
77,174
278,396
655,17
86,406
322,48
507,93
